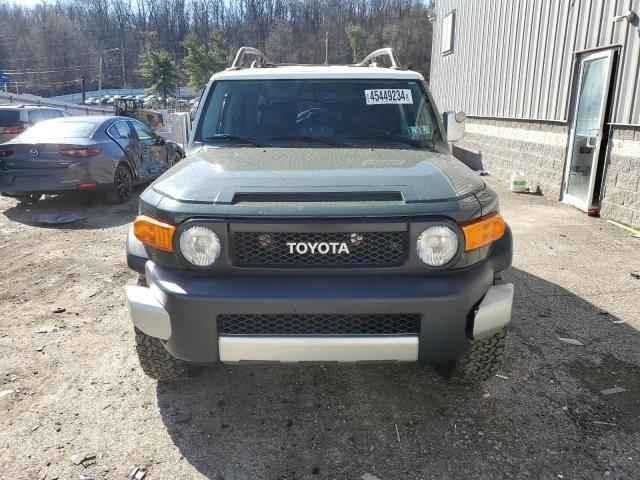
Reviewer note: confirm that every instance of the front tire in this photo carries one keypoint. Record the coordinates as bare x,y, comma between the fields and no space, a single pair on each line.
176,158
481,362
159,364
122,186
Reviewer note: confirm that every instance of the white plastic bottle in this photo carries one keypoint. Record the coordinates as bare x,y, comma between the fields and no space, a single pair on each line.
518,182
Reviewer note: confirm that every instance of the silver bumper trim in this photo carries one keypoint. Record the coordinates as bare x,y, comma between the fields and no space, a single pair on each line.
147,313
235,349
494,312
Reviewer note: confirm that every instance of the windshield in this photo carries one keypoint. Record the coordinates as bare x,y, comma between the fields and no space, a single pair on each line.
319,112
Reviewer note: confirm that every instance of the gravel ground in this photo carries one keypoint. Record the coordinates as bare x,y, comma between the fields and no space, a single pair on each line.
79,390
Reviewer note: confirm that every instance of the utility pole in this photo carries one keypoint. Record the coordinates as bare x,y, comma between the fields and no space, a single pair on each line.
100,72
177,84
326,48
124,68
100,79
82,84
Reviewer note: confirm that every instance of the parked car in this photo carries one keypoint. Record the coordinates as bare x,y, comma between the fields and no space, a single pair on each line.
16,119
320,217
110,154
90,101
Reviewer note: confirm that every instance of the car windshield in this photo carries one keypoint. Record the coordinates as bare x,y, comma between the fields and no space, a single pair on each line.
54,129
319,113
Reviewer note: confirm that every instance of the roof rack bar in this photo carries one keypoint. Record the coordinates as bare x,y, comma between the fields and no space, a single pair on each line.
261,58
382,52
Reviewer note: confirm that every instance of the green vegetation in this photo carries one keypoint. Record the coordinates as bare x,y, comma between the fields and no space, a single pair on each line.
356,35
203,60
159,72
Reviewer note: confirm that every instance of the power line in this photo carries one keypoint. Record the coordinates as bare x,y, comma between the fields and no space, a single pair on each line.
38,72
40,59
71,45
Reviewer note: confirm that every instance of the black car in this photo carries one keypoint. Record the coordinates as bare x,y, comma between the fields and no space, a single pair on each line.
111,154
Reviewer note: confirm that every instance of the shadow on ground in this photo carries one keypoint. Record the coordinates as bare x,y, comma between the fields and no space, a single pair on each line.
547,418
81,211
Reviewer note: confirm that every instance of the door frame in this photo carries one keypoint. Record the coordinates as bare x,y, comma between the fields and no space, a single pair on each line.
581,59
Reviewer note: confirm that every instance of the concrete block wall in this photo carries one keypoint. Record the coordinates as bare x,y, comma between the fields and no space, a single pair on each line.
501,147
539,149
621,190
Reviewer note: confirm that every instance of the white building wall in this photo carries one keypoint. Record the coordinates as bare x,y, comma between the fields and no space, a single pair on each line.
514,59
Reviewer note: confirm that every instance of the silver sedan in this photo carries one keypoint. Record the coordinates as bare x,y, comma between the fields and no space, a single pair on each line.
110,154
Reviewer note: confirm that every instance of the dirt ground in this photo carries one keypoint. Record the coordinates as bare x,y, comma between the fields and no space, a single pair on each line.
79,390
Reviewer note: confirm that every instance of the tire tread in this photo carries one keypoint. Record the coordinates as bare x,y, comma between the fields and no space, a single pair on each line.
159,364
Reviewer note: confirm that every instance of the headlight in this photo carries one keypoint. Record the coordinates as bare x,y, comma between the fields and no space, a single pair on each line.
437,245
200,245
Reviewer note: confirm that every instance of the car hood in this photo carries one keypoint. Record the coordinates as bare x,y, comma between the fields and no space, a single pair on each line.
215,177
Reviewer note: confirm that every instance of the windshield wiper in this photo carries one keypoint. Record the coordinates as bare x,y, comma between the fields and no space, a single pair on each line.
233,138
309,138
393,138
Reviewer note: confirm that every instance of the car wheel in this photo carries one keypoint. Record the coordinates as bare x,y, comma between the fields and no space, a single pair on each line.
122,186
28,198
481,362
159,364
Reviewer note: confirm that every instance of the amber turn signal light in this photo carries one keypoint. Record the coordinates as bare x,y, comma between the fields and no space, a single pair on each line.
483,231
154,233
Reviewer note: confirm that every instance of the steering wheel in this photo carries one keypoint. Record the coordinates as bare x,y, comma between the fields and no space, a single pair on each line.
315,113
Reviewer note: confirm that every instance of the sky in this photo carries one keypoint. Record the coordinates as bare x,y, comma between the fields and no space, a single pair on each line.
26,3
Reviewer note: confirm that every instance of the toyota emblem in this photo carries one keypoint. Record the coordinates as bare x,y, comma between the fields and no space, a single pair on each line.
34,153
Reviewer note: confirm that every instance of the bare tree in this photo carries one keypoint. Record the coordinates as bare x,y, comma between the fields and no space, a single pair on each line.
51,46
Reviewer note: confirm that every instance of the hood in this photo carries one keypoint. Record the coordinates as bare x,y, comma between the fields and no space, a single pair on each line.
221,175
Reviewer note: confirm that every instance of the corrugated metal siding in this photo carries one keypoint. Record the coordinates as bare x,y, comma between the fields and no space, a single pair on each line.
515,58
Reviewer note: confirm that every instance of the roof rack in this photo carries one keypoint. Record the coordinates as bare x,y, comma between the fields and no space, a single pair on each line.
261,58
382,52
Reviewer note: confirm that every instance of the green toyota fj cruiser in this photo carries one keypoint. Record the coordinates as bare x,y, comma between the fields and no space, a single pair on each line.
319,217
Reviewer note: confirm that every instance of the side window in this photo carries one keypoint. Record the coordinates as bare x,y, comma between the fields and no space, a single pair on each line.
64,113
36,116
48,114
120,131
448,33
124,130
114,133
143,132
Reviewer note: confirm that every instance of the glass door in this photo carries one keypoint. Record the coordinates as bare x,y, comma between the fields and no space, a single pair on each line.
586,133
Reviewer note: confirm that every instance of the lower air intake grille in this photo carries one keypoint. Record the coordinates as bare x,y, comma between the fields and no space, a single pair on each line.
319,324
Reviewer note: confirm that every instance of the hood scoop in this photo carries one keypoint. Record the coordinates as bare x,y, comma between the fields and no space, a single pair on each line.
317,197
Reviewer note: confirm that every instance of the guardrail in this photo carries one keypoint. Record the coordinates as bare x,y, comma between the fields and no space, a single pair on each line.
72,108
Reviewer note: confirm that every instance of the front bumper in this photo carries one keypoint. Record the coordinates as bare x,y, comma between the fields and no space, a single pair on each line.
181,308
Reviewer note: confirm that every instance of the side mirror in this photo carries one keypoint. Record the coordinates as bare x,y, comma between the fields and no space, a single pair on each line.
160,141
454,125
